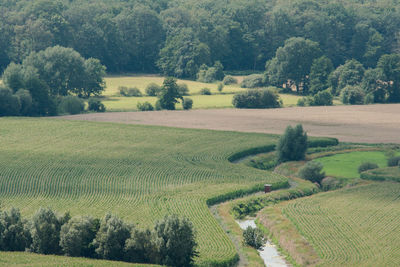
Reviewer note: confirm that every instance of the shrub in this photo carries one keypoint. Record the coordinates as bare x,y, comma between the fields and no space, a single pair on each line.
292,145
96,105
302,102
146,106
312,171
352,95
205,91
9,103
45,232
111,237
322,142
153,89
14,234
365,166
220,87
169,94
140,247
330,183
129,92
253,237
175,241
25,100
229,80
259,98
393,161
252,81
187,103
71,105
183,89
210,74
77,235
322,98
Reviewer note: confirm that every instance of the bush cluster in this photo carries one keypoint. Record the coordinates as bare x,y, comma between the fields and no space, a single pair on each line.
146,106
365,166
352,95
71,105
229,80
292,144
129,92
312,171
96,105
393,161
205,91
322,98
253,81
187,103
257,98
210,74
152,89
183,89
171,242
253,237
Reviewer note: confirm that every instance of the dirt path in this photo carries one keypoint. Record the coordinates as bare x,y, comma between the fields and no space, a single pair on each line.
370,123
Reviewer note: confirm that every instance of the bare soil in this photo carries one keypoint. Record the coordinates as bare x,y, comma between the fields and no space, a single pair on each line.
367,124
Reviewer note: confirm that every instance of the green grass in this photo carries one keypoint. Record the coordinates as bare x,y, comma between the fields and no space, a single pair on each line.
346,165
388,173
358,226
114,102
140,173
31,259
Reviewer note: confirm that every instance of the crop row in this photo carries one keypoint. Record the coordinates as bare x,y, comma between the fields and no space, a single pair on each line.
357,226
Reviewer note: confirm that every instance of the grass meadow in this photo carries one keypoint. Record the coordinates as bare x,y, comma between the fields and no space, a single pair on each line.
114,102
140,173
356,226
345,165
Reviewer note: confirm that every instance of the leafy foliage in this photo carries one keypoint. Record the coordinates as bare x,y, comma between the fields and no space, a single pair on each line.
253,237
365,166
312,171
252,81
71,105
257,98
129,92
146,106
352,95
187,103
292,144
169,94
153,89
228,79
96,105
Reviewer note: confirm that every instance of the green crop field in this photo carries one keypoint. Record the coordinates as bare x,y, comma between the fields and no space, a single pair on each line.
17,259
140,173
358,226
346,165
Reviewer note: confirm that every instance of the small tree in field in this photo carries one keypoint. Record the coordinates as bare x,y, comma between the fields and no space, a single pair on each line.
253,237
169,94
292,144
312,171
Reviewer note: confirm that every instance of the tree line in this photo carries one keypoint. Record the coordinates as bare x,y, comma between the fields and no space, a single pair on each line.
171,242
177,37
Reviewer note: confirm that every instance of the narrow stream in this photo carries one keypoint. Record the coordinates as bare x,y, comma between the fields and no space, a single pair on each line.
268,252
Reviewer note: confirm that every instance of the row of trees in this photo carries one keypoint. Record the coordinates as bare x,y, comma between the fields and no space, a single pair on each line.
44,77
171,242
302,64
177,37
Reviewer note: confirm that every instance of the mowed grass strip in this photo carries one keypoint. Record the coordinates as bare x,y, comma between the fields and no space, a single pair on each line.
17,259
351,227
345,165
139,173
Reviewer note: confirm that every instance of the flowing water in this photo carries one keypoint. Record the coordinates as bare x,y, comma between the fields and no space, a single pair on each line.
268,252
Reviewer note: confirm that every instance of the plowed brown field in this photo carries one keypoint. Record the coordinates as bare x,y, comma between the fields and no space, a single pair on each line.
370,123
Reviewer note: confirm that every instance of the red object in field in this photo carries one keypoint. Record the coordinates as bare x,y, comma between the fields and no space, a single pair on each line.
267,188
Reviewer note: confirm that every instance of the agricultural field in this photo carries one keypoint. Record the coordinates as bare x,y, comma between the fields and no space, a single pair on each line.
356,226
18,259
114,102
140,173
349,163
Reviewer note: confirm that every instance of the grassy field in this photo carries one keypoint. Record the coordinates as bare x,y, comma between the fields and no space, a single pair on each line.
349,162
114,102
19,259
358,226
140,173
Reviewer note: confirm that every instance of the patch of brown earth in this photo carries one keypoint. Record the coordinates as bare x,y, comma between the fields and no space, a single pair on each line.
369,123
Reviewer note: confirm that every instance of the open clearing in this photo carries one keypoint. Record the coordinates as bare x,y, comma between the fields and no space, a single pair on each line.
349,163
368,123
140,173
358,226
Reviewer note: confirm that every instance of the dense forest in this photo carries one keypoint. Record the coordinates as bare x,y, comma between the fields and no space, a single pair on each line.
175,37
